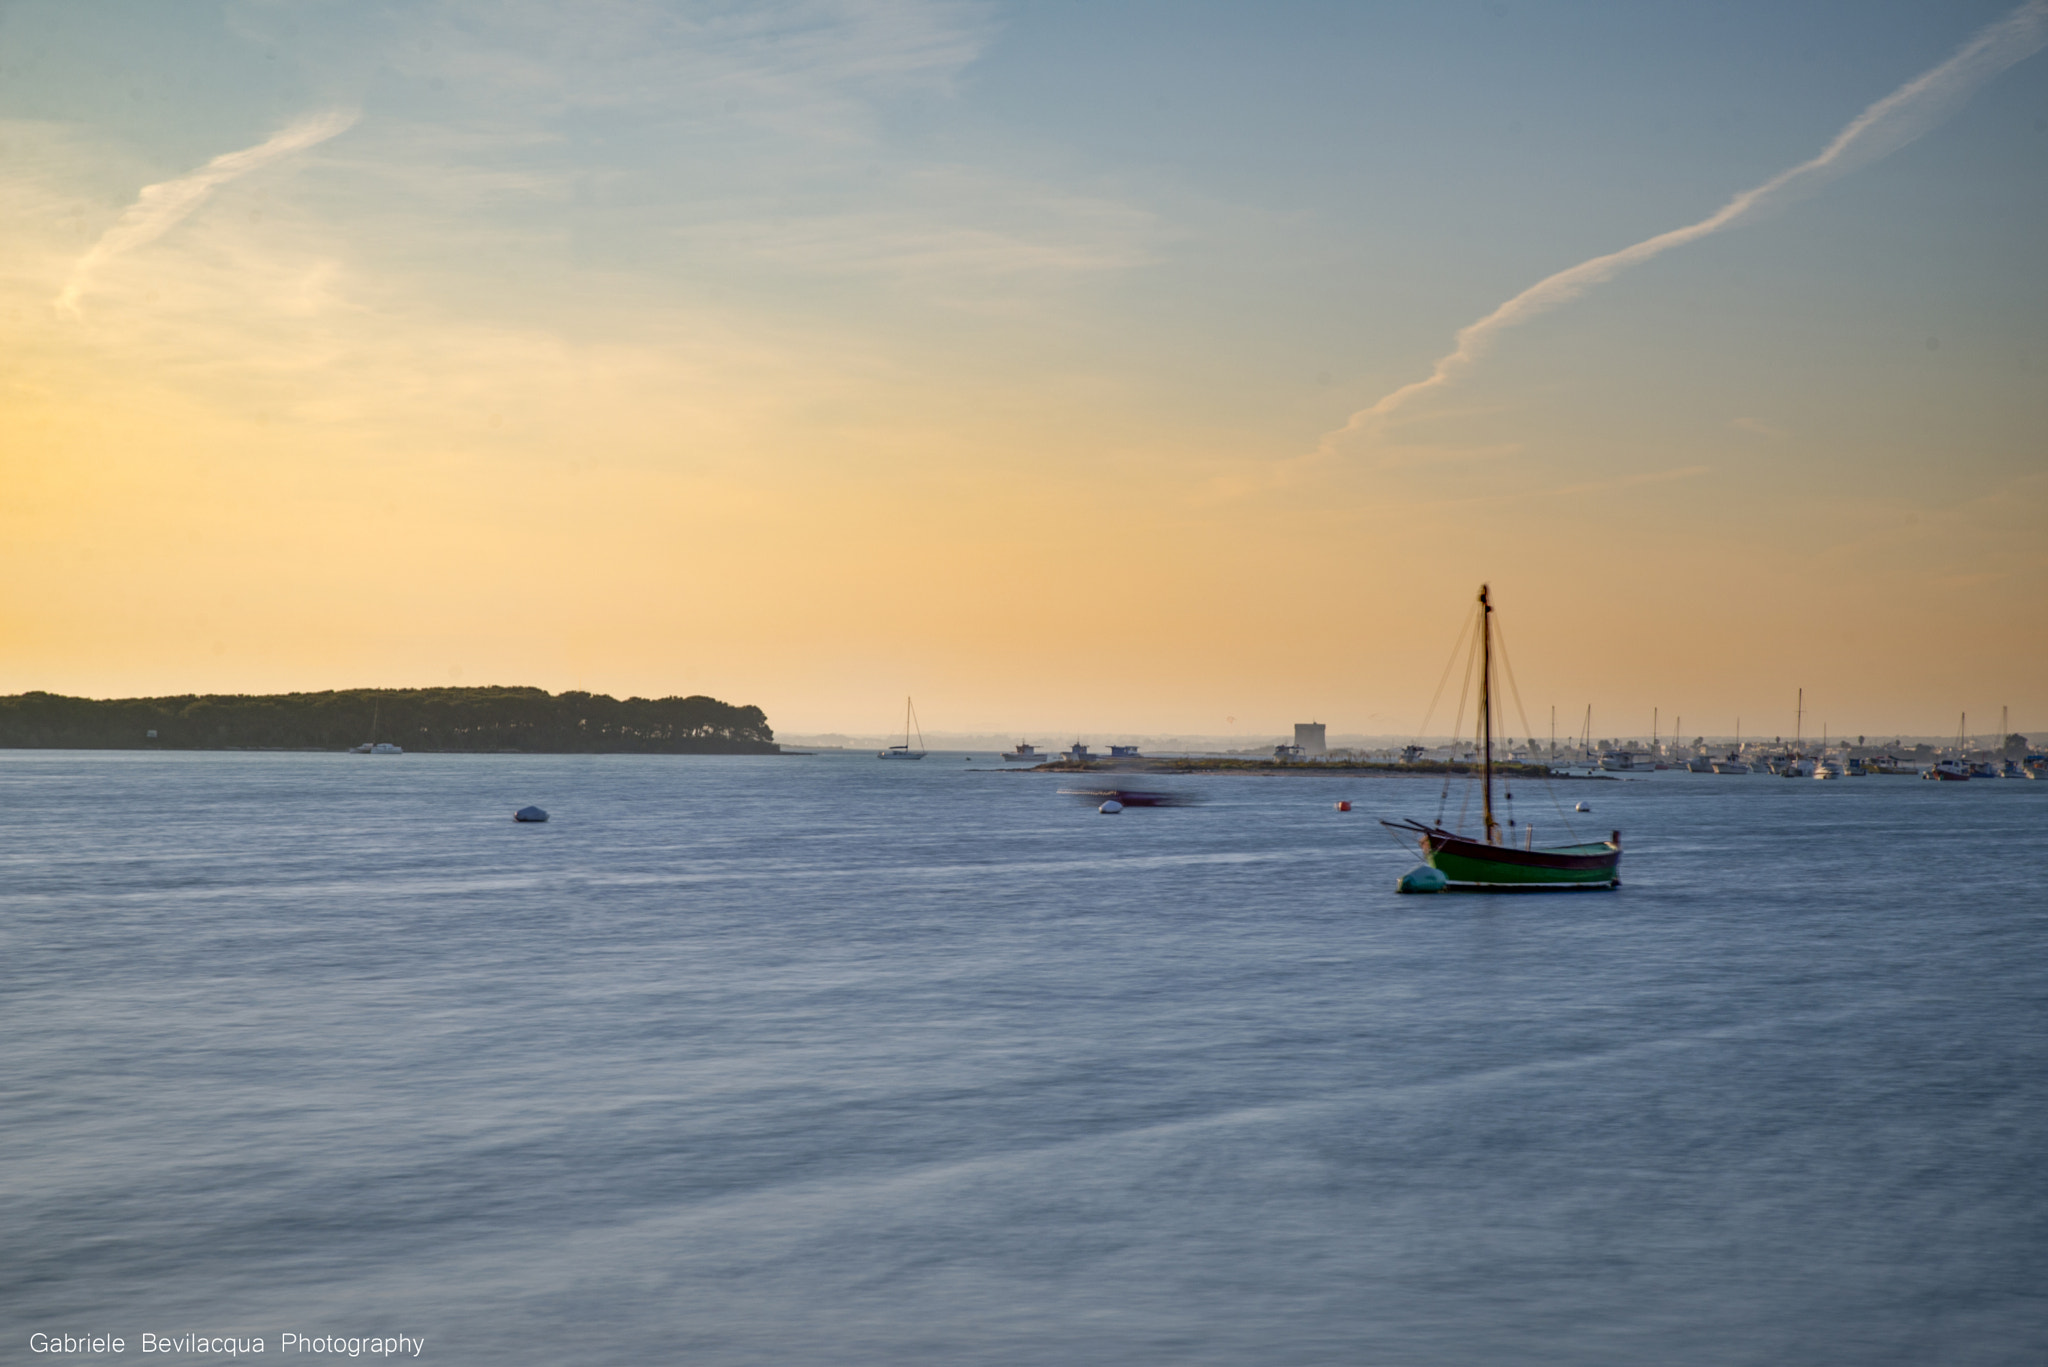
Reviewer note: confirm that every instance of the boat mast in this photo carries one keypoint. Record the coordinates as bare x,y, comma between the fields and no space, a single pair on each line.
1799,723
1486,708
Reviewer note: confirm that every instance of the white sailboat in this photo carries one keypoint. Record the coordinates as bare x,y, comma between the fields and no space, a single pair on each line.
904,751
373,746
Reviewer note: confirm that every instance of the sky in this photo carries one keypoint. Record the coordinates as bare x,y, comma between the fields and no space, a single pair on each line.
1066,366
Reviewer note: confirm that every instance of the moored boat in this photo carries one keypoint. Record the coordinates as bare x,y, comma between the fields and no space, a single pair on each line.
1490,861
904,751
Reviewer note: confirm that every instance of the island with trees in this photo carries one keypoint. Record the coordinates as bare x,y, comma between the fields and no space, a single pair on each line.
521,720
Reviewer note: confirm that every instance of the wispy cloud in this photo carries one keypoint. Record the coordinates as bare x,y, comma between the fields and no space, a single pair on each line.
1884,127
159,207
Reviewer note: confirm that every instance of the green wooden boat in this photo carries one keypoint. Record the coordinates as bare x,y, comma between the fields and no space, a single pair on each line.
1492,861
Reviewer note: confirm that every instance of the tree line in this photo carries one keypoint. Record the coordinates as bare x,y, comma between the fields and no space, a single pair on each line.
530,720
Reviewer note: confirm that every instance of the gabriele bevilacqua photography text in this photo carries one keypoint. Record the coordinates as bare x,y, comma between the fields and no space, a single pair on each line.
98,1344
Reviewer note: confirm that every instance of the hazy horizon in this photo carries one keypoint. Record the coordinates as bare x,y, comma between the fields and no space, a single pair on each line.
1135,370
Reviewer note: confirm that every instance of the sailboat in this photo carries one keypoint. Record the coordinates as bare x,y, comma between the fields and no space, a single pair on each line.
904,751
373,746
1489,861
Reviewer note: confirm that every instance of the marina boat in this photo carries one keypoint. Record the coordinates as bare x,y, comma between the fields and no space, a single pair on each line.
1025,753
1955,769
1489,860
1730,765
904,751
1699,765
1830,768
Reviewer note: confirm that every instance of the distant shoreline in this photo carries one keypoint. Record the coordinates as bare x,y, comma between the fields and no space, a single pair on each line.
480,720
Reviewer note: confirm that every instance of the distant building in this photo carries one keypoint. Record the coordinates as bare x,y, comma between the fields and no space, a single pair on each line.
1308,738
1287,752
1079,753
1123,752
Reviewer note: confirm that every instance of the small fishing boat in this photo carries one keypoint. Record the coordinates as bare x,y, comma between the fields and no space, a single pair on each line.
1025,753
904,751
1489,860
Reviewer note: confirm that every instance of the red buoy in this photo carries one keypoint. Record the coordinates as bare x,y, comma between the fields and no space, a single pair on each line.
1343,806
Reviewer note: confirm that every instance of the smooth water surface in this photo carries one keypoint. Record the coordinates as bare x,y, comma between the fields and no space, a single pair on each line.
823,1060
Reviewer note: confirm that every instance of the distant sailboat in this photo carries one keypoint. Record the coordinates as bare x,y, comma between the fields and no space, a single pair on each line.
904,751
1488,861
373,746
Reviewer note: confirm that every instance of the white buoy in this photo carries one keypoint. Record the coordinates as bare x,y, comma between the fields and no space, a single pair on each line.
1582,807
1111,807
529,814
1422,878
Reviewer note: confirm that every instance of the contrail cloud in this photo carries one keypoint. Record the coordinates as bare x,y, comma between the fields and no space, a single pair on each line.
1886,126
160,206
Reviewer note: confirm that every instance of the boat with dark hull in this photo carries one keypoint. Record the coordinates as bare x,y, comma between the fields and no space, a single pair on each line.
1469,863
1491,861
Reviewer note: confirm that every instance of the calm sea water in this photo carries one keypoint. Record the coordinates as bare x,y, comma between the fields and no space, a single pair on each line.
822,1060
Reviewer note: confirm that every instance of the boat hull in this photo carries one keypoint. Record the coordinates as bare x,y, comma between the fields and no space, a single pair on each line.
1474,864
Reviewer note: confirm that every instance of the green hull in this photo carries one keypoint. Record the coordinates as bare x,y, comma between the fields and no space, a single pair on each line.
1468,863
